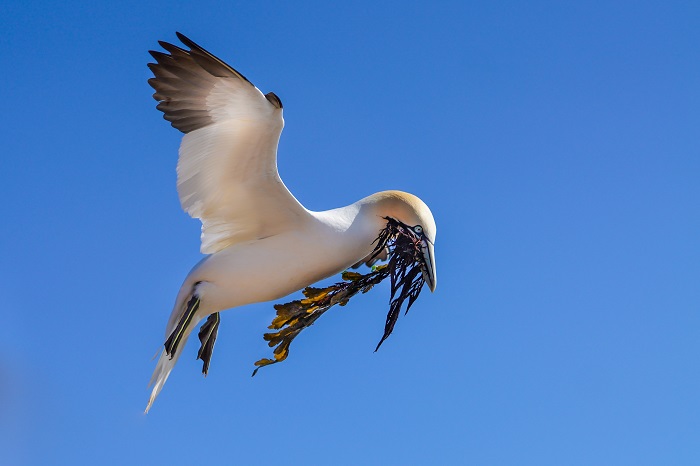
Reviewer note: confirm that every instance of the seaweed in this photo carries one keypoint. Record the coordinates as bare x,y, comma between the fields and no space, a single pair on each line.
404,268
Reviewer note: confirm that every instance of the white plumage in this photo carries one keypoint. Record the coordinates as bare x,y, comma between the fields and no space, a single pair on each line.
262,244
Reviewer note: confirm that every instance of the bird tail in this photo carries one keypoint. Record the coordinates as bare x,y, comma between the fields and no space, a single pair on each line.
173,347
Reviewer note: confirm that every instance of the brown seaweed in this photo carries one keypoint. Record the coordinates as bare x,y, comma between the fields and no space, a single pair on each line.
404,268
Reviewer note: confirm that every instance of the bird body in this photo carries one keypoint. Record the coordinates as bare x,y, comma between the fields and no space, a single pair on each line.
261,243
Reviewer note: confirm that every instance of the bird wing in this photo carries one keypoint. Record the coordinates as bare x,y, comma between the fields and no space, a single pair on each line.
227,169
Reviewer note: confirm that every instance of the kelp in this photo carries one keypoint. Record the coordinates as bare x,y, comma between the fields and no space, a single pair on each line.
404,269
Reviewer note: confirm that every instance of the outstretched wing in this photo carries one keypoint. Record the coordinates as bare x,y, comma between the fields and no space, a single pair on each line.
227,171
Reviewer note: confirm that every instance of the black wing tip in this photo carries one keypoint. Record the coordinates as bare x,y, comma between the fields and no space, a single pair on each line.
170,47
198,50
171,71
159,56
273,99
187,41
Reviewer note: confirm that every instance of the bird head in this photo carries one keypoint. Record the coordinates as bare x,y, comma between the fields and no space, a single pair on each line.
417,220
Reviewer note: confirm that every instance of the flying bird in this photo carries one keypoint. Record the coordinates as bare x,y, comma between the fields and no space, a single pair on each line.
260,242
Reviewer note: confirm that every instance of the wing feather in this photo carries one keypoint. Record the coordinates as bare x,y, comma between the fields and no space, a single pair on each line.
227,169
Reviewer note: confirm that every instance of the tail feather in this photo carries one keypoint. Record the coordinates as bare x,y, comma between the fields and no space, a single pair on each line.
165,365
188,320
160,375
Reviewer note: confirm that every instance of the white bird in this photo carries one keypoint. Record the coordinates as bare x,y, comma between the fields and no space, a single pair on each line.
260,243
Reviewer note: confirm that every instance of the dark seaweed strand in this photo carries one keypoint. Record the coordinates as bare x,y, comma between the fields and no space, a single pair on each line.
406,276
403,268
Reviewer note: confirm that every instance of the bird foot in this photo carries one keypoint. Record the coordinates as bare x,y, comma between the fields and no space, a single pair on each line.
207,336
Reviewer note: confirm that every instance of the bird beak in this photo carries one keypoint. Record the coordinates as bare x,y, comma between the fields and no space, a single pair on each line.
428,265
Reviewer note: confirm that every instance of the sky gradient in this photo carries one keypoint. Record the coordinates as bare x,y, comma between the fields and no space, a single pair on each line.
555,142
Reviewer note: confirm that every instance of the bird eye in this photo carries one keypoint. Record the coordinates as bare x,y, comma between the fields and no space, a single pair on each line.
418,229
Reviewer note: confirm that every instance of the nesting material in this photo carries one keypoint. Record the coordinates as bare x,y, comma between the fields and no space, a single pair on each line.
404,268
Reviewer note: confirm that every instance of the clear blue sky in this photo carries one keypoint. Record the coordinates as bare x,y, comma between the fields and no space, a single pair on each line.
557,144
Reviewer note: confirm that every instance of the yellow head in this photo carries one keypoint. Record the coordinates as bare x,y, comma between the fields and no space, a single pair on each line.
414,214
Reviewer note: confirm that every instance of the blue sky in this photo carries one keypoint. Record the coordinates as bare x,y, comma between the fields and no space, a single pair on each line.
555,142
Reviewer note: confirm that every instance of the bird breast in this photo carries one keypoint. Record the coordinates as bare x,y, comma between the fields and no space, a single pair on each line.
270,268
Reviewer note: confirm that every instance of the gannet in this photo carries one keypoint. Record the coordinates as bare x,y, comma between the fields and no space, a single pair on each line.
260,242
